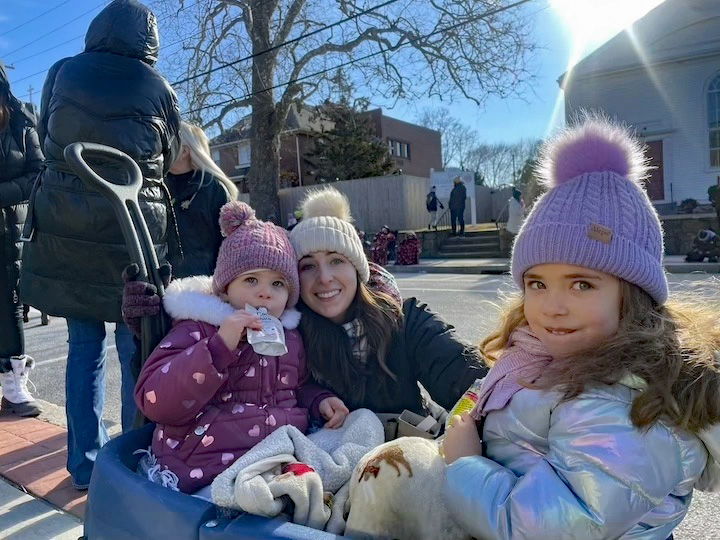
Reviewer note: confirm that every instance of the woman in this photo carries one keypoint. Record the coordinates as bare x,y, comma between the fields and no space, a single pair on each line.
20,162
198,188
516,212
362,344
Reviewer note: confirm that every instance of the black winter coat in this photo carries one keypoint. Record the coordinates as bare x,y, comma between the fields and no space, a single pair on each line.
20,162
197,200
109,94
426,350
457,198
431,202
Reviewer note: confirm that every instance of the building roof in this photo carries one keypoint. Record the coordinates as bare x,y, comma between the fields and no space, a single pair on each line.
674,30
300,118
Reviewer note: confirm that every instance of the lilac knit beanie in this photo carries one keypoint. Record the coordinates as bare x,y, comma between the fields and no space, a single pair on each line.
251,244
596,213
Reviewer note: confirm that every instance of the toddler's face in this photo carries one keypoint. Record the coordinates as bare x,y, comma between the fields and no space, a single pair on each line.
571,308
259,288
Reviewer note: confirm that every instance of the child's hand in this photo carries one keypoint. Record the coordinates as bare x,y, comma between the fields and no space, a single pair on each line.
461,439
334,411
232,330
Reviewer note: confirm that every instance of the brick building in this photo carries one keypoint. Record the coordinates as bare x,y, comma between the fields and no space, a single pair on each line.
413,149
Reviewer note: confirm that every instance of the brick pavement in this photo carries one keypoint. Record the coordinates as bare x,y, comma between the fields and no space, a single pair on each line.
33,454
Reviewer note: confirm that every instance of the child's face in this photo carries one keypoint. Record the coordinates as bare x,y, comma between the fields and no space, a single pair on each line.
571,308
259,288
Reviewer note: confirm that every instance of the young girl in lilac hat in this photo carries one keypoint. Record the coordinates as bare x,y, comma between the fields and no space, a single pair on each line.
599,416
212,396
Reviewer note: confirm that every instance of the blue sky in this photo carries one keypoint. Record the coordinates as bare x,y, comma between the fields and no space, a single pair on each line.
565,31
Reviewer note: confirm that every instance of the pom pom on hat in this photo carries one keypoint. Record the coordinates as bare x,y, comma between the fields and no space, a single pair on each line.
326,202
233,215
250,244
596,145
327,226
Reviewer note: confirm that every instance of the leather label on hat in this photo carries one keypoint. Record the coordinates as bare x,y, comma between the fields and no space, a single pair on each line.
600,233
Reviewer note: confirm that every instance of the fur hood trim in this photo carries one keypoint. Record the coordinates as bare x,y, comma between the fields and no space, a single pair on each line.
192,298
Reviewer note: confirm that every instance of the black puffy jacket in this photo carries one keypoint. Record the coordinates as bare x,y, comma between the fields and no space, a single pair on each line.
425,349
109,94
20,162
197,199
458,195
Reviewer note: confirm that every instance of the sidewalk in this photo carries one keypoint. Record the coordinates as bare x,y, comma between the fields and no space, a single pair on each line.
37,500
674,264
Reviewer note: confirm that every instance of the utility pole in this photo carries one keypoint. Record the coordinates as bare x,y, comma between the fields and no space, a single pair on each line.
30,92
513,165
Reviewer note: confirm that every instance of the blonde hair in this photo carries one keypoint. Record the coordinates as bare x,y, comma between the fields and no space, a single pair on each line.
197,143
672,347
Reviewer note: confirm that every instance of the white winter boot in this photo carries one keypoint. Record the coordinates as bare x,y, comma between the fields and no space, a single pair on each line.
14,372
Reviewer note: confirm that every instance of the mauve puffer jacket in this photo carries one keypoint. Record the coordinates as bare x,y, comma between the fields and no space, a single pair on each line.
211,404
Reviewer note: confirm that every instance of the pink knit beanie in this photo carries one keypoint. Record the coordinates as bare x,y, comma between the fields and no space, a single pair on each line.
249,244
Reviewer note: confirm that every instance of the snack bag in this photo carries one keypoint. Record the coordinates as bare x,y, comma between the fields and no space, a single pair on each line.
271,339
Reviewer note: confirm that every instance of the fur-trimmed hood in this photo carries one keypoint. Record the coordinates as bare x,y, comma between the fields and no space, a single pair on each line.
193,298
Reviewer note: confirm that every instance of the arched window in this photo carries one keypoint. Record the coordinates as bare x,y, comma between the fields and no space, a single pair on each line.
714,121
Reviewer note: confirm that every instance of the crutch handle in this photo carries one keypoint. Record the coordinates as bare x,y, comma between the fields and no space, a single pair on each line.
74,155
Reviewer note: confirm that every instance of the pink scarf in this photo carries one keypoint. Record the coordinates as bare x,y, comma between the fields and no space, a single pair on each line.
523,360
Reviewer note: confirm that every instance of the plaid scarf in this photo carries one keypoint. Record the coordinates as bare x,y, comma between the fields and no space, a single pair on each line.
355,330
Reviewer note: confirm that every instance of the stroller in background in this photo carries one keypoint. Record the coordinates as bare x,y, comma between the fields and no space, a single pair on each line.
705,244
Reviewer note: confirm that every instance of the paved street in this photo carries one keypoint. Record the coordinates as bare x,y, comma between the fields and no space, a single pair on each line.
467,301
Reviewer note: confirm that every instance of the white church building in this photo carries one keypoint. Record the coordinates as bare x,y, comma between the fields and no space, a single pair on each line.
662,78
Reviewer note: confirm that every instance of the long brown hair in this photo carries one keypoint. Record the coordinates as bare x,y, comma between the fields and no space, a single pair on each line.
330,355
673,348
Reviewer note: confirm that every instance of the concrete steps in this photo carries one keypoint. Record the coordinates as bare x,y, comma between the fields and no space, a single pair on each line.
482,244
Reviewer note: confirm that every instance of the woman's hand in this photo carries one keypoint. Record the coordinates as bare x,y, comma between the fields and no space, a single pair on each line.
461,439
233,329
334,411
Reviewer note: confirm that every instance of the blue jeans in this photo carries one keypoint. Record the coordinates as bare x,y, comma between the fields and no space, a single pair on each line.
85,391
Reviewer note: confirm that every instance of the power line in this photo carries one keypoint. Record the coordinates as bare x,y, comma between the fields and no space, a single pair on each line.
55,29
19,60
370,55
275,47
83,35
16,62
6,32
29,76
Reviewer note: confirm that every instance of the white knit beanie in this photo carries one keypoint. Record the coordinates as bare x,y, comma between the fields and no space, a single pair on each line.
327,226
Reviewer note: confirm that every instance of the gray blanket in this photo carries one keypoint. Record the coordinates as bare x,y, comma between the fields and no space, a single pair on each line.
333,453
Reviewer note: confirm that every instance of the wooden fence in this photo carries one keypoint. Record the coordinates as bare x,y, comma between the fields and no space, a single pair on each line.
397,201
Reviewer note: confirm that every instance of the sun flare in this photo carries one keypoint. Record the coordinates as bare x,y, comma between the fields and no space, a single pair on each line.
592,22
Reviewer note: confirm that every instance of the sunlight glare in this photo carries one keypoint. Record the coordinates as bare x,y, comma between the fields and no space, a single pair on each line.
592,22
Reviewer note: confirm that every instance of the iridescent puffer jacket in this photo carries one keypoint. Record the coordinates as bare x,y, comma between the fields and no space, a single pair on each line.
579,469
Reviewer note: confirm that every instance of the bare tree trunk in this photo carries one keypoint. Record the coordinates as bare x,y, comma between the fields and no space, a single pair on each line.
265,131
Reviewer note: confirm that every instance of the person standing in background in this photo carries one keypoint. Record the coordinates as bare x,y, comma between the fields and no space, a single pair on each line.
20,162
199,189
516,212
432,203
458,195
72,266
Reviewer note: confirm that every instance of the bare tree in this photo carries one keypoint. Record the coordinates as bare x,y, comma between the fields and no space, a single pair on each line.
502,163
457,138
397,49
